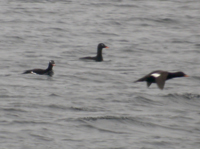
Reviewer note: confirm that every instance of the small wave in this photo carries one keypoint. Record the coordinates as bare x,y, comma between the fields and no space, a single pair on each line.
196,77
123,40
105,118
7,96
29,122
180,41
127,6
143,99
197,45
188,96
14,37
13,110
41,137
54,95
56,28
145,24
83,109
108,125
146,101
60,107
109,34
5,75
121,119
188,100
120,124
166,20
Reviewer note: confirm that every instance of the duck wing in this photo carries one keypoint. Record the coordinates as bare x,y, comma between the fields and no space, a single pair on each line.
160,79
35,71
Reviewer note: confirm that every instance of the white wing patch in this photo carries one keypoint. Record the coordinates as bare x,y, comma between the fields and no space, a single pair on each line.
33,72
155,74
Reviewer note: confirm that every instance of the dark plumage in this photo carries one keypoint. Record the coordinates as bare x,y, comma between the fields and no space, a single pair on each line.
159,77
48,71
99,56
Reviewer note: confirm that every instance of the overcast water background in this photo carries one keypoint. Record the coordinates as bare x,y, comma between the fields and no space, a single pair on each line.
96,105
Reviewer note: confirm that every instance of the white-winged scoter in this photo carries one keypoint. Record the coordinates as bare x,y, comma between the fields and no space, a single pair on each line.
48,71
99,56
159,77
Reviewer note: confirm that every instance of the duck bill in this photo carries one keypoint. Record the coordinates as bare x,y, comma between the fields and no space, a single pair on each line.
106,47
186,76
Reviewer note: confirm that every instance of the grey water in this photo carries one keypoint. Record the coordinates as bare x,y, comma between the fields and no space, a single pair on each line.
96,105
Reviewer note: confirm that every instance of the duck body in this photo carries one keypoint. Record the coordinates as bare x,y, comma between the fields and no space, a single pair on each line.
159,77
49,71
99,56
96,58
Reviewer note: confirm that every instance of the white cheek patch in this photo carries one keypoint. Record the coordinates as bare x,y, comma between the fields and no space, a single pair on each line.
155,75
33,72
